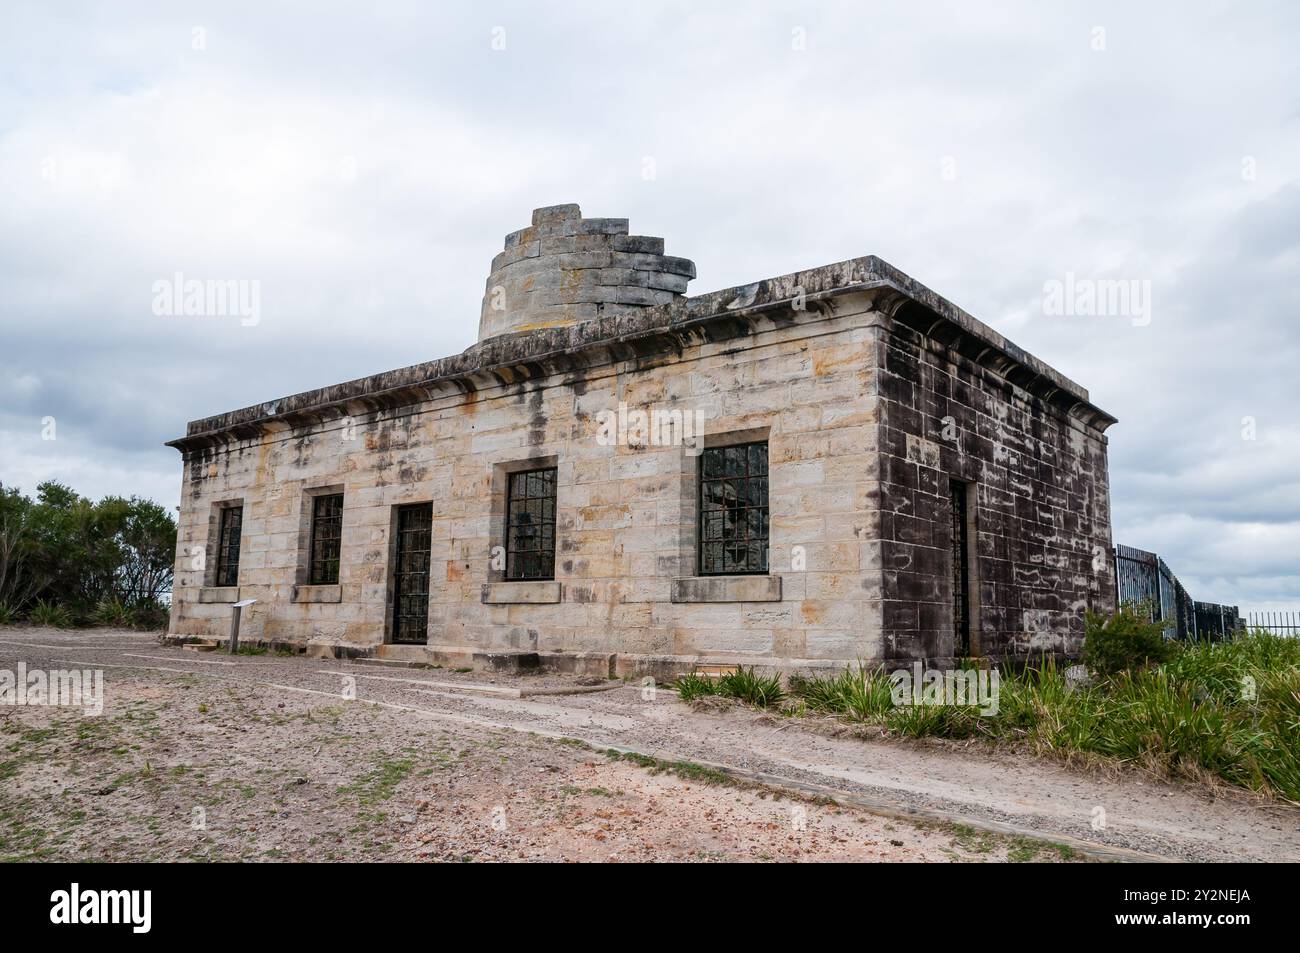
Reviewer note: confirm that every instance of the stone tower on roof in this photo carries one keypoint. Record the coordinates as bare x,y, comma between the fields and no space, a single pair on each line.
564,269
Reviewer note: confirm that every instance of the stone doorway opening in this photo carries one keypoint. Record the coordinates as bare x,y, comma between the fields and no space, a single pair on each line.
961,588
410,609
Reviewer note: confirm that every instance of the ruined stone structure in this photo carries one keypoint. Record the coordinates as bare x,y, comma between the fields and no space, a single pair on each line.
825,467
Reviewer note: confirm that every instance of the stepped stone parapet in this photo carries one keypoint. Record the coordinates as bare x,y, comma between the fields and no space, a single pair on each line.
564,269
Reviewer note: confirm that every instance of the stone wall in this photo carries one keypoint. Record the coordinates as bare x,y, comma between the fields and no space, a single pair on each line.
1041,509
625,524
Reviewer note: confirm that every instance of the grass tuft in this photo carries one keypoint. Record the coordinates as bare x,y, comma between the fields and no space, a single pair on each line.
111,611
744,684
52,614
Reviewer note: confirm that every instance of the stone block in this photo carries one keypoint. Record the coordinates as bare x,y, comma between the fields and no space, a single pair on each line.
219,594
317,593
727,589
521,593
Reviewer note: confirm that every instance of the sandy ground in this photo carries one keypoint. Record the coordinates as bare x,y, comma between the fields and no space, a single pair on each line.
219,765
205,756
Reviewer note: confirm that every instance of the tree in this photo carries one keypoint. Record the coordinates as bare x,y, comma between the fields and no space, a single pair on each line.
65,548
18,584
146,539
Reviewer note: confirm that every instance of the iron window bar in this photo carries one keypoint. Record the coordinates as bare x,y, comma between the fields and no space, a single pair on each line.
232,522
733,511
326,539
530,525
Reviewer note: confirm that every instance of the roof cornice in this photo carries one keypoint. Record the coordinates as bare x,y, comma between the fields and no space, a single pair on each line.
652,332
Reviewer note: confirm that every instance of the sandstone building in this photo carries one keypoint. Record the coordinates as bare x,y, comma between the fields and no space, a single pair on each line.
810,470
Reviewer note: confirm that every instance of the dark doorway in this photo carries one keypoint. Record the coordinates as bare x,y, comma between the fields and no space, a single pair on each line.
960,571
411,573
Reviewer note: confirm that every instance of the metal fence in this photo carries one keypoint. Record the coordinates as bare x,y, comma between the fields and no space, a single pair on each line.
1279,623
1145,579
1216,622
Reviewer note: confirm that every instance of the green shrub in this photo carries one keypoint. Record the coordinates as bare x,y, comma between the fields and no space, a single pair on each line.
744,684
111,611
1123,642
1272,744
8,614
49,613
149,615
1039,704
1157,719
693,686
939,721
861,693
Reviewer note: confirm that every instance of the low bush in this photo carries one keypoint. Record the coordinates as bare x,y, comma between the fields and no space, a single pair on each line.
50,613
693,686
148,614
1125,641
861,693
111,611
744,684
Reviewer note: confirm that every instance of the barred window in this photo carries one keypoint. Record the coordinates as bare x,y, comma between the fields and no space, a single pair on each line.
326,539
530,525
733,510
232,522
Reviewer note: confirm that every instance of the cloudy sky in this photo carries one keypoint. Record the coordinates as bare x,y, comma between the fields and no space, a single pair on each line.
363,164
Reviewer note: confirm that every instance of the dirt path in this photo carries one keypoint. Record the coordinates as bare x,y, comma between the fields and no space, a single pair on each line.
1170,820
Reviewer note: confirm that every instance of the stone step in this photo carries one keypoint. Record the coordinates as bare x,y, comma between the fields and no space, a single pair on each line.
391,662
714,670
402,653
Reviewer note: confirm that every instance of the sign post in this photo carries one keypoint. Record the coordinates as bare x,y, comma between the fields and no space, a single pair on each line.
236,611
